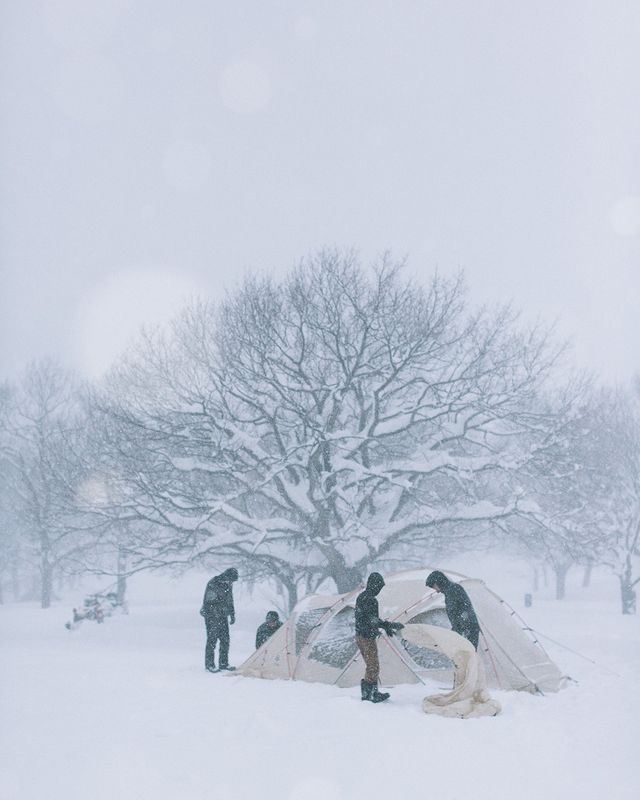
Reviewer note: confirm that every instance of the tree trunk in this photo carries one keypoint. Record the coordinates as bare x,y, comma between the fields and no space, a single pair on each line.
627,593
560,571
291,589
46,570
46,584
536,578
122,576
586,577
15,583
345,578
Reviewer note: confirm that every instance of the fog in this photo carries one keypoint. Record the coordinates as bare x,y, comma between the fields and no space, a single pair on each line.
151,151
381,446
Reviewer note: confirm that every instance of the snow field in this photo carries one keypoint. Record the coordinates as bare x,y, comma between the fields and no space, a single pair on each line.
125,710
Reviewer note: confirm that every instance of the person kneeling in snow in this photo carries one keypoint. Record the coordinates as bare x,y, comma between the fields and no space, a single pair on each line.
268,628
458,606
368,624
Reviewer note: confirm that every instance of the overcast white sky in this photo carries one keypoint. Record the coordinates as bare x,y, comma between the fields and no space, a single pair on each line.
151,149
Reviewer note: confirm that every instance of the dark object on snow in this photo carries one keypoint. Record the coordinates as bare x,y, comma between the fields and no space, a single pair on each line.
268,628
458,606
95,608
368,624
528,600
369,691
218,611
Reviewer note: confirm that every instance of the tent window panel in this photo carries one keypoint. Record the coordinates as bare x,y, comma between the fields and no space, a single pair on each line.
336,644
429,659
305,624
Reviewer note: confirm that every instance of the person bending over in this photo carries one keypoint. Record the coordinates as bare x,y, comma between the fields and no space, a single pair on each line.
218,611
458,606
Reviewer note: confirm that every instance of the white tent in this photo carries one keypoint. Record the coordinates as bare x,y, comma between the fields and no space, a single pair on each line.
317,642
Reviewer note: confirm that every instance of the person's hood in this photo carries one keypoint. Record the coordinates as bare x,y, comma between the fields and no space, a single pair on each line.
272,616
375,582
230,574
439,579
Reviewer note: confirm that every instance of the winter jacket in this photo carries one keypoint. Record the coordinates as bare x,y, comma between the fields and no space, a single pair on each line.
368,621
458,606
218,598
265,631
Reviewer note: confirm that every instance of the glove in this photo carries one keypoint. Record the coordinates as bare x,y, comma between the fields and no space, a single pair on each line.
232,619
392,627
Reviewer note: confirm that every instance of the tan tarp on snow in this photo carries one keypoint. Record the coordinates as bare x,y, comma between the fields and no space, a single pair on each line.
469,696
317,642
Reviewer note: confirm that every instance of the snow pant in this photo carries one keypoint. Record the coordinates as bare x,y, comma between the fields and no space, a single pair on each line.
471,634
217,631
369,650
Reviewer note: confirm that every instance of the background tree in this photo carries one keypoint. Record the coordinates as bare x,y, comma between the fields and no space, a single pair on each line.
556,486
41,440
614,461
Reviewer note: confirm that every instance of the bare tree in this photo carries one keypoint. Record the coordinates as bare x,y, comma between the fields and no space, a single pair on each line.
40,440
556,485
584,488
318,425
615,462
11,534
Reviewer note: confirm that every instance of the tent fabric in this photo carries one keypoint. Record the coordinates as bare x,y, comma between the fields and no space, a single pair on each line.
469,696
317,642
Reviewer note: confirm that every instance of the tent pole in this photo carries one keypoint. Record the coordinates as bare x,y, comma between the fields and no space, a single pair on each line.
390,644
490,654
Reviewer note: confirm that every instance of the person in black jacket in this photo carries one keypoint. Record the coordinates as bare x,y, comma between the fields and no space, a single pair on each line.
268,628
458,606
368,624
218,611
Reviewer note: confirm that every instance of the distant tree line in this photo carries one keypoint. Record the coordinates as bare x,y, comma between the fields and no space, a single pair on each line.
309,429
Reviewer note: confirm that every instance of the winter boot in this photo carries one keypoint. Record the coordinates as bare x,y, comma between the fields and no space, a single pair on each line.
376,696
365,689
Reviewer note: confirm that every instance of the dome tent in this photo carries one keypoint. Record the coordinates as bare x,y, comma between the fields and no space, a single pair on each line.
317,643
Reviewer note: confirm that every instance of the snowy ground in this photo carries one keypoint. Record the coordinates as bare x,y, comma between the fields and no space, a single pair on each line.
125,710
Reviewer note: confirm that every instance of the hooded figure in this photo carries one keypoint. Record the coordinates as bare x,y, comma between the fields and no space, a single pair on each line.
218,611
458,606
368,624
268,628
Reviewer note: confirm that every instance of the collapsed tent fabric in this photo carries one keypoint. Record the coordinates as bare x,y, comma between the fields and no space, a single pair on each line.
469,696
317,642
